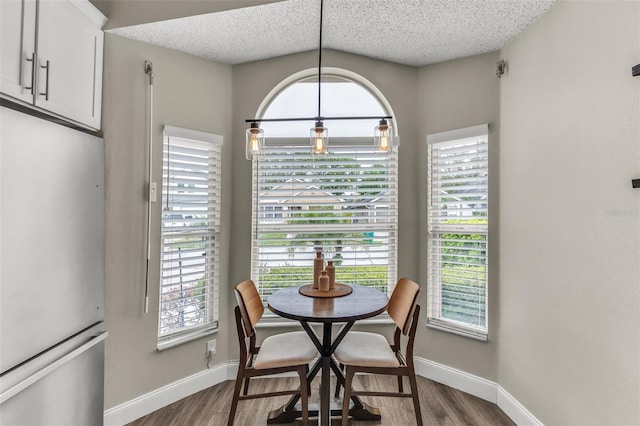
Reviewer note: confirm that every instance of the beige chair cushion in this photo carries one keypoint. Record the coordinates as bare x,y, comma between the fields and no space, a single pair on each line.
286,349
365,349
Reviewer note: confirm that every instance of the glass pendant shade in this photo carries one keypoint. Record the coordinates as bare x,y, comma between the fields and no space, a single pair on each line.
319,136
383,137
255,141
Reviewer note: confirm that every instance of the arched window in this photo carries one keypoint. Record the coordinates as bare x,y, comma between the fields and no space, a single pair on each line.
340,97
343,203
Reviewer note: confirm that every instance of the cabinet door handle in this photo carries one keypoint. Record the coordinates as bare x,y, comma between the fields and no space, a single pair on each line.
46,87
33,72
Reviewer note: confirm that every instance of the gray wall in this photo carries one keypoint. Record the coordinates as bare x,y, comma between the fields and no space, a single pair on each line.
431,99
188,92
453,95
252,82
198,94
565,253
569,218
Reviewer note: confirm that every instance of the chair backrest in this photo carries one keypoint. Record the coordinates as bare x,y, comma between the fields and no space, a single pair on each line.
402,303
250,305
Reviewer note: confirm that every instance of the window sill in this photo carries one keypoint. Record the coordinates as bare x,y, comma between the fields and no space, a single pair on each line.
460,330
277,322
173,341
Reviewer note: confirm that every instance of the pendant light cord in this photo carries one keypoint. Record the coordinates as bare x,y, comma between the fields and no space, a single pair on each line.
318,118
320,59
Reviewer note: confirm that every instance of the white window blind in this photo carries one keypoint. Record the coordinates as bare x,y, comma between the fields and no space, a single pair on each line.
190,236
344,202
458,230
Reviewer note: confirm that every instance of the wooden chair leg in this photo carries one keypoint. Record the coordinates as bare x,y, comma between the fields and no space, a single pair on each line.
245,391
347,395
304,401
306,374
400,389
234,401
416,400
337,393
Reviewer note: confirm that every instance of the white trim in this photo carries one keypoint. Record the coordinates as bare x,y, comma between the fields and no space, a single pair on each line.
459,329
516,411
477,386
458,379
173,340
341,72
148,403
190,134
466,132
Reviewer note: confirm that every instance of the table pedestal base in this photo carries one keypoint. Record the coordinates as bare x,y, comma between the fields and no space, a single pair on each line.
281,415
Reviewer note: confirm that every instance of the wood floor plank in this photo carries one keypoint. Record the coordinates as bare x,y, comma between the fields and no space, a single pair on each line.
440,405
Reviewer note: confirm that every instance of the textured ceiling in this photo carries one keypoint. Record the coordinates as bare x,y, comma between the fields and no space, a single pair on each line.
411,32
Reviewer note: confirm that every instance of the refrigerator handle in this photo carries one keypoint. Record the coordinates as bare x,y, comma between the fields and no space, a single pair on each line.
100,337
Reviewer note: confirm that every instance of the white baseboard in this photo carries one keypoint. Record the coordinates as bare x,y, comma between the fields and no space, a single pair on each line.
469,383
156,399
473,385
476,386
516,411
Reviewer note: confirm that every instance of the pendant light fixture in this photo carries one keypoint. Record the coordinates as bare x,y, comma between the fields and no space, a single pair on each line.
319,134
255,141
383,137
319,138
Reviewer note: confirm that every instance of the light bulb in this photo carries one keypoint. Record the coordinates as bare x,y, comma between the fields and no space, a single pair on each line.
384,141
318,138
254,144
319,145
255,141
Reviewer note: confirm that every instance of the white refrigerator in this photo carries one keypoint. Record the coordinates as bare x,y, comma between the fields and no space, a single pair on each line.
52,333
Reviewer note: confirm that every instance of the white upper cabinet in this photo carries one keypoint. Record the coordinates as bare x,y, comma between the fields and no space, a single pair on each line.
68,57
18,48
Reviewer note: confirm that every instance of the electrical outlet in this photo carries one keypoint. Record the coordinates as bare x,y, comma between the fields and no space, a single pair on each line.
211,351
211,347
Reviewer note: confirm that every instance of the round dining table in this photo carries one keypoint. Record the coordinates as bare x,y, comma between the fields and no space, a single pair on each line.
363,302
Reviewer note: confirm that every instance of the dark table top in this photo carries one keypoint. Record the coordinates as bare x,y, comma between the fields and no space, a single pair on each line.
363,302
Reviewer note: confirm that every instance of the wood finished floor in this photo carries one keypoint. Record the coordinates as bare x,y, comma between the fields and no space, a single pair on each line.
440,405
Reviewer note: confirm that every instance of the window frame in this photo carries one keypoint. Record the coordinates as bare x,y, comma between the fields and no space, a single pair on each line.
435,318
329,74
212,145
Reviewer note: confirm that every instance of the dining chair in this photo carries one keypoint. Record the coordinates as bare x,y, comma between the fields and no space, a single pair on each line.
280,353
362,352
